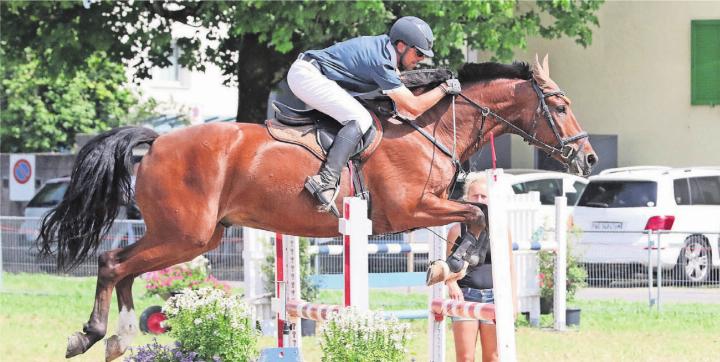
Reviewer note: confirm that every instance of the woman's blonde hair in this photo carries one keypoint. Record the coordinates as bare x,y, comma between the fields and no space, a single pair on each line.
473,178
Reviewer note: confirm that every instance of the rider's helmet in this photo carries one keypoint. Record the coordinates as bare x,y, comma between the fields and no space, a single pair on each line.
415,33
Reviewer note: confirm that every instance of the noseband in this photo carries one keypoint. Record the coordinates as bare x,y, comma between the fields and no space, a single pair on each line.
564,148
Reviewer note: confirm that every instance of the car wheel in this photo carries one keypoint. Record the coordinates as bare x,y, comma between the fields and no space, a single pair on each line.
694,261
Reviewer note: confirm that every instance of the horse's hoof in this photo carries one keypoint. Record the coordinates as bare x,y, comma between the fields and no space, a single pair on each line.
113,349
437,272
77,344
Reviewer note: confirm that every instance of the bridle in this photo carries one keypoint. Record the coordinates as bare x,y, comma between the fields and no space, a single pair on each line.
567,153
564,148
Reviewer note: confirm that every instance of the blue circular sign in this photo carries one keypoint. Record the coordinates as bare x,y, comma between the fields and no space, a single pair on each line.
22,171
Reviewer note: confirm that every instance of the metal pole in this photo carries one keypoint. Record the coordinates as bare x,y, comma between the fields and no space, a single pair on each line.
436,324
659,272
1,263
651,300
560,282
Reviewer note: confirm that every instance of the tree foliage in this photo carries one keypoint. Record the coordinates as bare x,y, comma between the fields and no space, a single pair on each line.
42,112
254,42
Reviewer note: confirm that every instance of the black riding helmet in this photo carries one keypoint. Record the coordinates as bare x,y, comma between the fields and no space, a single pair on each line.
415,33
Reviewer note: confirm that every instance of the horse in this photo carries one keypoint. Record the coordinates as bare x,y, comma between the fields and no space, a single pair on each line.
194,181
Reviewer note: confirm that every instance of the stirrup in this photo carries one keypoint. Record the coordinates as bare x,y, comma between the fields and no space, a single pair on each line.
317,190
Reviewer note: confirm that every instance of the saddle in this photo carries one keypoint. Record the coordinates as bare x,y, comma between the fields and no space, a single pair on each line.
315,131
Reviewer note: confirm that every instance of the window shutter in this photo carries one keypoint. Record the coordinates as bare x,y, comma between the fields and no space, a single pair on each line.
705,62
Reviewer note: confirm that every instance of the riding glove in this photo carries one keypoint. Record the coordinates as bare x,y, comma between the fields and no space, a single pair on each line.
451,87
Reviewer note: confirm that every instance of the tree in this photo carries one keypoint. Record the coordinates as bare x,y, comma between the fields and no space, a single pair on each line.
254,42
41,112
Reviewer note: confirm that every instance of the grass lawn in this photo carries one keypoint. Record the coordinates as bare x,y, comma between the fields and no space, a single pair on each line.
39,312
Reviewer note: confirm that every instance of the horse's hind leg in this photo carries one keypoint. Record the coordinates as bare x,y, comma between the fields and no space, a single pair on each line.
136,261
127,327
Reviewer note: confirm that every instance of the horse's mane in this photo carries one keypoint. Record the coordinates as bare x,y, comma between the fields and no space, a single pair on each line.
475,72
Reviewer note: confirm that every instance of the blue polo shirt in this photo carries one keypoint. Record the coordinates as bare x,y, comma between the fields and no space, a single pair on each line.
362,64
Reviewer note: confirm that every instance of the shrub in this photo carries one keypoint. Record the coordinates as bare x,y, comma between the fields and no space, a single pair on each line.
155,352
576,274
212,324
193,274
358,336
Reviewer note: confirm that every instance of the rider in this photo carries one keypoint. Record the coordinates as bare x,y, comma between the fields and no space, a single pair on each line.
323,79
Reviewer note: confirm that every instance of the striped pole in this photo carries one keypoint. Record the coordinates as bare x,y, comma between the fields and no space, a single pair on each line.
314,311
279,286
453,308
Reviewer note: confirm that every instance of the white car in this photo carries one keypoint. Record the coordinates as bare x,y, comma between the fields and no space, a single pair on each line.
47,197
681,204
548,183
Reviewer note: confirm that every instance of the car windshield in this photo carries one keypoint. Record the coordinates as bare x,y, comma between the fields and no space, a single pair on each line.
619,194
49,195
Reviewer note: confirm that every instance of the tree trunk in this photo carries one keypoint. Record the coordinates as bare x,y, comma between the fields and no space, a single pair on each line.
259,69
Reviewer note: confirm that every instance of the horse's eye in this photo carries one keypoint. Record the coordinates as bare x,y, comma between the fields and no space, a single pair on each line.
561,109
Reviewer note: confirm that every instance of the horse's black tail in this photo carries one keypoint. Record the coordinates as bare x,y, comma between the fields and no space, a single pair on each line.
99,185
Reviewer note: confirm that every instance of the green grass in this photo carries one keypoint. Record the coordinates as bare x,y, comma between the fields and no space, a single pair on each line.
39,312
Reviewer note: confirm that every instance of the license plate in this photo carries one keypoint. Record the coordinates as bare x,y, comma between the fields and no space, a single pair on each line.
607,226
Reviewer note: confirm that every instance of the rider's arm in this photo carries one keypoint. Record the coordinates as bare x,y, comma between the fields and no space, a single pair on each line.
412,106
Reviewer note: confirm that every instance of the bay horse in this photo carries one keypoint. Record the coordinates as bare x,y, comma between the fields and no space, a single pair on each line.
194,180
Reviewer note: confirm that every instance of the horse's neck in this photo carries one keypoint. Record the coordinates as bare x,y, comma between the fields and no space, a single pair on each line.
505,97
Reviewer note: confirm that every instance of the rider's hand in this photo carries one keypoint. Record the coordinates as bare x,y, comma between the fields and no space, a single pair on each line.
454,291
451,87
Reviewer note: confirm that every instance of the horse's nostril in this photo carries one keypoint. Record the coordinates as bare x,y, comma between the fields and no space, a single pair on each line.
591,159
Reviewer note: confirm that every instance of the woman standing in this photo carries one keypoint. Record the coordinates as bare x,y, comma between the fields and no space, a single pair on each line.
475,286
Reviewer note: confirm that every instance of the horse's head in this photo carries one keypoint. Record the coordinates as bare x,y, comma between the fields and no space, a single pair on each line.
554,128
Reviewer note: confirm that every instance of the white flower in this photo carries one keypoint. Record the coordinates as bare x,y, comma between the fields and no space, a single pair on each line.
198,321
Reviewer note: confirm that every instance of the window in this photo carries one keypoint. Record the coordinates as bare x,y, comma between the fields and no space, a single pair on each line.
705,190
705,62
50,195
174,73
548,189
619,194
682,191
573,197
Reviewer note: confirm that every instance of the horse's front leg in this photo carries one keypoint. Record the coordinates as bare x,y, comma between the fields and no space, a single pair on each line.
467,248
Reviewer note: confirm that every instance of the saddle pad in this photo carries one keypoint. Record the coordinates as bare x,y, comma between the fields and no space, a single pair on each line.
307,137
300,135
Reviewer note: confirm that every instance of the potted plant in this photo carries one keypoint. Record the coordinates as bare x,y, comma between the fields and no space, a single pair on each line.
576,276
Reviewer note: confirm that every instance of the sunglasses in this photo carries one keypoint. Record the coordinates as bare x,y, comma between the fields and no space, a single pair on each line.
419,53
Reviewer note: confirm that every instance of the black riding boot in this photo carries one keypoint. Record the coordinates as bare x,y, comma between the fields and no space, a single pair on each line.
325,184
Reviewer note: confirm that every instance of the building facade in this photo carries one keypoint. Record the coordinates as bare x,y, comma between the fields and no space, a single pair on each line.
634,82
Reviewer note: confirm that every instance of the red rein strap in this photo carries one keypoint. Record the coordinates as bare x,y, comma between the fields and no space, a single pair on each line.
494,159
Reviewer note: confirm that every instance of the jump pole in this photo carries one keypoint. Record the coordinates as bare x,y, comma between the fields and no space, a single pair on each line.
355,228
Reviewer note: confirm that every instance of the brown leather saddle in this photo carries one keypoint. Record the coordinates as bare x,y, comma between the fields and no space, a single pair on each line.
315,131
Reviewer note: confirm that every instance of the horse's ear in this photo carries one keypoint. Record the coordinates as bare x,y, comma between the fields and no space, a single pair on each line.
539,71
546,67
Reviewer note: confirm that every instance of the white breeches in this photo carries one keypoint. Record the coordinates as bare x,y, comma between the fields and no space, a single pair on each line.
323,94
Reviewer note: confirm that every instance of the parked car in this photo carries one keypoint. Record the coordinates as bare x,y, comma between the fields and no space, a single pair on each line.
683,204
548,184
49,196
